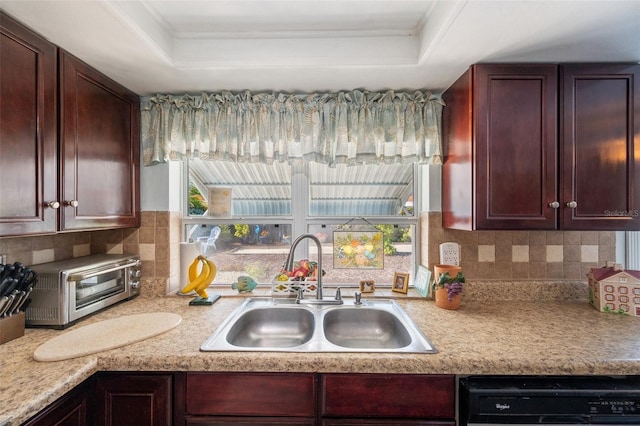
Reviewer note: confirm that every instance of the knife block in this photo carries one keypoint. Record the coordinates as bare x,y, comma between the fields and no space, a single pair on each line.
11,327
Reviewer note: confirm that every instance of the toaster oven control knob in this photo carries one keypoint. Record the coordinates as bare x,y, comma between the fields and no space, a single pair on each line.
52,204
72,203
134,273
134,284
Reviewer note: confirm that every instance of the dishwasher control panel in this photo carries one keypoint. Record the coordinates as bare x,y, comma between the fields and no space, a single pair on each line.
604,400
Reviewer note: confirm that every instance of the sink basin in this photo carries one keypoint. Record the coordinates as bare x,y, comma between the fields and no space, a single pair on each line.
271,324
268,327
365,328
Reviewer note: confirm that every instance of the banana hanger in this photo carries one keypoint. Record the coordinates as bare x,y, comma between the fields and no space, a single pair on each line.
200,281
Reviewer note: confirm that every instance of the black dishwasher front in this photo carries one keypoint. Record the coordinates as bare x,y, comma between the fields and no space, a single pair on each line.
560,400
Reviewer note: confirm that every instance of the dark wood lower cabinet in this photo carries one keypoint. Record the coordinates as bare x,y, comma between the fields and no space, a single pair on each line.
386,422
268,399
250,398
124,399
317,399
239,421
389,399
73,409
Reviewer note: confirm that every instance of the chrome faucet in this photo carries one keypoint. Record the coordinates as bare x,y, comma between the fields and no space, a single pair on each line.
289,267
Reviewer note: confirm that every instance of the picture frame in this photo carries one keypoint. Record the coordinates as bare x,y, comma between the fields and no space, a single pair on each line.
400,282
358,250
219,204
367,286
422,281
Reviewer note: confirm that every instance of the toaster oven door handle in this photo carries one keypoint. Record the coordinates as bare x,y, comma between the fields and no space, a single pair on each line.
97,271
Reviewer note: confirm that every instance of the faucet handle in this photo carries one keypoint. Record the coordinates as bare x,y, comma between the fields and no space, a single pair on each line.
300,294
358,298
338,294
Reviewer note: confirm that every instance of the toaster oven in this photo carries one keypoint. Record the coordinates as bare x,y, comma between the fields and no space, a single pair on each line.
69,290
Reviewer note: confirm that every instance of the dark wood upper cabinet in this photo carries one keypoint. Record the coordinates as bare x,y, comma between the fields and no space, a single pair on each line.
99,149
600,153
542,147
28,127
69,141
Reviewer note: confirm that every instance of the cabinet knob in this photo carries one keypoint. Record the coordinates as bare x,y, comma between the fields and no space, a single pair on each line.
554,205
572,204
72,203
52,204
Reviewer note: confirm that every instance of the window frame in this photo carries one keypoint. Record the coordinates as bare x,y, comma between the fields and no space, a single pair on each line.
300,220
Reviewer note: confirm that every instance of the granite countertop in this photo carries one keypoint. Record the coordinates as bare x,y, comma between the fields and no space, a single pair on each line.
483,337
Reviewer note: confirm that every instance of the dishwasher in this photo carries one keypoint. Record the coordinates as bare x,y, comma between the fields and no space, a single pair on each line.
551,400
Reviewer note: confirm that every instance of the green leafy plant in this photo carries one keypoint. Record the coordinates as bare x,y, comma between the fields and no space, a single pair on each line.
454,285
197,203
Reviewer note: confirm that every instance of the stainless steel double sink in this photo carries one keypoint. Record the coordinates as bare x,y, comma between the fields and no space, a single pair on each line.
281,325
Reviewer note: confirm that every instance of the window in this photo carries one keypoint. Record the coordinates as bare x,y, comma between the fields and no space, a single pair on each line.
247,215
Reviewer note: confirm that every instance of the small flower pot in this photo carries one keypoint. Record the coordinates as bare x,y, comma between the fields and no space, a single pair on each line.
442,299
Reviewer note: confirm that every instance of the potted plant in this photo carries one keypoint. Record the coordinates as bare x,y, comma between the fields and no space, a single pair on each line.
448,290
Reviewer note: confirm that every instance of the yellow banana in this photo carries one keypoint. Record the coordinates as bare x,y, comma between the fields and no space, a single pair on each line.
201,289
197,282
193,268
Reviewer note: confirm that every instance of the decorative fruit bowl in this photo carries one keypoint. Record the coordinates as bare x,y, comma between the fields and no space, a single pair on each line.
303,276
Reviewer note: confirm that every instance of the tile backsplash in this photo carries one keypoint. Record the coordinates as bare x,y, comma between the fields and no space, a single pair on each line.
485,255
520,255
157,241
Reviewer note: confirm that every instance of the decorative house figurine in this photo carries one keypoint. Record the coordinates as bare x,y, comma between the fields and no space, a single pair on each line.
612,289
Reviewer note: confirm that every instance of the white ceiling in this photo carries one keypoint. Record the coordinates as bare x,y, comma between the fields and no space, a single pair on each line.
178,46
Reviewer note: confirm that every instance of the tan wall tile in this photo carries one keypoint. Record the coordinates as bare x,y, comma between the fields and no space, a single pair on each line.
486,253
504,238
503,253
520,238
148,218
606,253
555,253
589,237
520,253
537,238
43,256
555,270
162,236
163,219
554,238
571,237
589,253
503,270
147,235
572,253
81,250
520,270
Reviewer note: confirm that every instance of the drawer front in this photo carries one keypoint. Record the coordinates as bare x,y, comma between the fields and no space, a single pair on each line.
251,394
380,395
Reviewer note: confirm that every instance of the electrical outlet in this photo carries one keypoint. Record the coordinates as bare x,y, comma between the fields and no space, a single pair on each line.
3,259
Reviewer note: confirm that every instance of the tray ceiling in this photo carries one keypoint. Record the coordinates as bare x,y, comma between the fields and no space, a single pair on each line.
177,46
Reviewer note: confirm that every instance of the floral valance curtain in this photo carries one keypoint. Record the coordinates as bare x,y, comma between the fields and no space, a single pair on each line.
345,127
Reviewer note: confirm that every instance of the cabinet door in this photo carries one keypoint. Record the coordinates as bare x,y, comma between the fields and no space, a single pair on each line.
386,422
388,396
600,150
28,156
99,146
134,399
248,421
516,146
73,409
251,394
